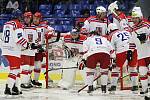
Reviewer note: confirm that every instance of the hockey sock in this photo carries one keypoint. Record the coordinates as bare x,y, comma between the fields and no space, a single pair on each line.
104,76
144,82
17,84
134,78
25,72
90,76
12,77
36,74
114,78
37,70
148,74
143,77
11,80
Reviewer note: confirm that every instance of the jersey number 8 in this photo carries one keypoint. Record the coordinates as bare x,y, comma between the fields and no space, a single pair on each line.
6,36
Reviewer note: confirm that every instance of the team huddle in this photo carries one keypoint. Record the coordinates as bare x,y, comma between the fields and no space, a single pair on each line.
100,42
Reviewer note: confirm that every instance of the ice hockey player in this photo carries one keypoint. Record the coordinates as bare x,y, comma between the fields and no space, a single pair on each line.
141,33
120,40
13,40
118,16
98,22
44,31
73,52
28,55
97,50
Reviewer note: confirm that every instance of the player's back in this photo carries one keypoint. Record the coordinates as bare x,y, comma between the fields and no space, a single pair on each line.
96,44
12,31
120,40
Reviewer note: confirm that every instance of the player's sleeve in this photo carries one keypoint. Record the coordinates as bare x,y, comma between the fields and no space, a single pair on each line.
85,48
86,27
124,24
49,32
111,39
111,49
20,37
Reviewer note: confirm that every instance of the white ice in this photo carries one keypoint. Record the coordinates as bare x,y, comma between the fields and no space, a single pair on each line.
59,94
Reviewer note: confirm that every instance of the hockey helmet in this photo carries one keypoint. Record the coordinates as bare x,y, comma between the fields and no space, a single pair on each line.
28,14
100,9
38,14
113,6
137,14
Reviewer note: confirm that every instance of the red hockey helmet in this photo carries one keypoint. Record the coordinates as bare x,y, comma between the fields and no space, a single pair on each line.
38,14
27,14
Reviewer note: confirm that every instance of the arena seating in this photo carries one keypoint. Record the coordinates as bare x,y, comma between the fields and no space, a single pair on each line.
62,16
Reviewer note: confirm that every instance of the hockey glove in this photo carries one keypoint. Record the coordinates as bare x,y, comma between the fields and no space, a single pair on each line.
40,49
129,55
33,46
81,64
28,46
142,37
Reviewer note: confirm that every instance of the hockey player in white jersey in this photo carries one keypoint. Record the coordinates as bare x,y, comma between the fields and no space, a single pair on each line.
98,22
97,50
73,52
44,31
120,40
141,33
28,55
13,39
118,16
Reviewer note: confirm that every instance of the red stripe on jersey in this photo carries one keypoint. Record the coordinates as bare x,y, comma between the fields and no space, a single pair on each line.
13,76
25,72
140,25
24,43
37,70
20,40
76,42
144,77
133,74
23,40
115,74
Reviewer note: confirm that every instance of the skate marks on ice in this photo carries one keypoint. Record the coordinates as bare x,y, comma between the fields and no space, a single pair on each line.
59,94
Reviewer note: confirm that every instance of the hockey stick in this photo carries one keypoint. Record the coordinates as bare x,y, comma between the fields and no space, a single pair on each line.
52,69
96,79
87,85
57,39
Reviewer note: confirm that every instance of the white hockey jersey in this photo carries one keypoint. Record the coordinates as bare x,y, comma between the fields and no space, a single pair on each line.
121,21
93,23
143,49
43,29
97,44
13,38
32,37
120,40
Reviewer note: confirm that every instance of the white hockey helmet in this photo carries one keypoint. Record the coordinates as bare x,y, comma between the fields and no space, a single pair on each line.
137,14
112,7
100,9
112,26
136,9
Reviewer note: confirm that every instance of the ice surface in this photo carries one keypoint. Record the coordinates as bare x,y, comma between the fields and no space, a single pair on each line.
59,94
